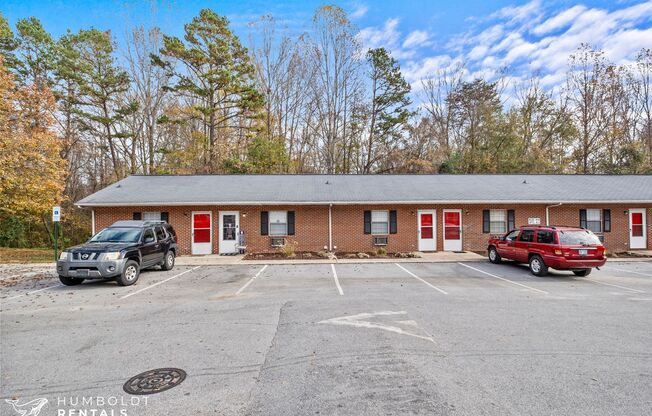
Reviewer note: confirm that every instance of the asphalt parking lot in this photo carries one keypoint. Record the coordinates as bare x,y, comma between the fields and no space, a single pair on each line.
365,339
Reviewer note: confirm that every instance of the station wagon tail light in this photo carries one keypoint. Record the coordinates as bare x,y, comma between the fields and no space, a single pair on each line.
558,252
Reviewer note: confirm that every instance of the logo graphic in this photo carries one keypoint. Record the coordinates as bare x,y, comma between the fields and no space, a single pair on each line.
32,408
84,256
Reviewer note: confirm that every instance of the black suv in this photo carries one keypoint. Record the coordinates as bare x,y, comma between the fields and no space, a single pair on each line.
120,252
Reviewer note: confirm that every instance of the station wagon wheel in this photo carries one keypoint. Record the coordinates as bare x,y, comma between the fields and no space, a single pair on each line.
168,262
494,257
129,274
537,266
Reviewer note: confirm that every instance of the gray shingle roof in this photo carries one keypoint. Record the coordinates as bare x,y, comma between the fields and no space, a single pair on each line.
356,189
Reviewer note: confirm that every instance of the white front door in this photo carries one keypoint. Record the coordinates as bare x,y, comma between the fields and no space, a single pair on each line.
427,226
452,230
202,233
637,228
229,228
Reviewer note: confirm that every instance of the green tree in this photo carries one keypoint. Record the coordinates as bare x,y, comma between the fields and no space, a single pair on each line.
8,43
389,107
263,156
36,50
216,76
95,85
475,111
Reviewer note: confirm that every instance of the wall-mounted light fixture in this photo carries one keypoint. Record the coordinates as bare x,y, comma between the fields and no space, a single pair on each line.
626,212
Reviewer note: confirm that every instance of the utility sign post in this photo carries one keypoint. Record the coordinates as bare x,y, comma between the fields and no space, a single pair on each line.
56,217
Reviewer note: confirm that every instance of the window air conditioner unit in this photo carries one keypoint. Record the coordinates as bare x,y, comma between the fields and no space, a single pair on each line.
380,241
278,242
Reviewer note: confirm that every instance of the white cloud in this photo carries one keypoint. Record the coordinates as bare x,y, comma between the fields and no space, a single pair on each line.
359,11
416,38
387,36
559,21
535,38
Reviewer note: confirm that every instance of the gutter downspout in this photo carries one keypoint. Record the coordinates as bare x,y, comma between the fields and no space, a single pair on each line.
330,227
93,222
548,214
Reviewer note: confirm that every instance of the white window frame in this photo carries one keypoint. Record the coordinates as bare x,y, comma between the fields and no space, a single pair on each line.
386,212
153,214
278,213
599,220
493,212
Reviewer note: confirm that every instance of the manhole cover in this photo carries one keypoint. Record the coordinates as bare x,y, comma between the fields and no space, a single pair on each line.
154,381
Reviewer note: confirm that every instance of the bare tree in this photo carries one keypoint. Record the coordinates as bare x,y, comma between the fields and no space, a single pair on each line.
148,83
336,54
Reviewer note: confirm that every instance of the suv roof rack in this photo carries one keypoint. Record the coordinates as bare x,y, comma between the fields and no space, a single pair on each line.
136,223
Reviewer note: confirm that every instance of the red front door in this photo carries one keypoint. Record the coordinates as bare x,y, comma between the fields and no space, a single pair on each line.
452,230
201,233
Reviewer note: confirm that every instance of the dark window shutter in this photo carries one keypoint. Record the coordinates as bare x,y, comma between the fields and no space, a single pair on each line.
511,220
485,221
290,222
583,218
165,217
138,216
392,222
606,220
264,223
367,222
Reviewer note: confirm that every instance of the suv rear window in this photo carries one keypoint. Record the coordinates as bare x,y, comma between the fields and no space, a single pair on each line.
170,230
545,237
581,237
526,235
160,233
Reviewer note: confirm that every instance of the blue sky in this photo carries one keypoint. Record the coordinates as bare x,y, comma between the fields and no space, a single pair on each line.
525,36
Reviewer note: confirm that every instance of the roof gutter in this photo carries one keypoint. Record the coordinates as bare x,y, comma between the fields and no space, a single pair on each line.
424,202
548,214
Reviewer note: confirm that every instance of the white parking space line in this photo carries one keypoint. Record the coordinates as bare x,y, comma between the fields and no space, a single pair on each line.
628,271
158,283
421,280
337,282
251,280
33,291
611,284
506,280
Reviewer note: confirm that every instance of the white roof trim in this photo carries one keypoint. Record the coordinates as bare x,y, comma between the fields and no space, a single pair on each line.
436,202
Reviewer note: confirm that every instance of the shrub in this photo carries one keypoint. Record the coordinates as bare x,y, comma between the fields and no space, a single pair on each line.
289,249
381,252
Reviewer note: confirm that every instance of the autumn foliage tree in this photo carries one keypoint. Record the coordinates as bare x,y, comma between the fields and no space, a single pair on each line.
31,169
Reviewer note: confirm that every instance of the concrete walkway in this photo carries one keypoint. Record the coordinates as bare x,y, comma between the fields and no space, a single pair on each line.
438,257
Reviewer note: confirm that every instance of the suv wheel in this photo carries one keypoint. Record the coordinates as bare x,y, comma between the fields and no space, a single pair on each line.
168,262
70,281
582,273
494,257
129,274
537,266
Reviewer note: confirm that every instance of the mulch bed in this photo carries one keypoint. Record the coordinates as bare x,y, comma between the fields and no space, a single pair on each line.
303,255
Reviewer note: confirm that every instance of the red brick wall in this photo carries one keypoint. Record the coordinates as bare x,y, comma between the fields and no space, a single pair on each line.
348,224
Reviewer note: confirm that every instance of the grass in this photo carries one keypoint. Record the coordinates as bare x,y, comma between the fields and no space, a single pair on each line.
26,255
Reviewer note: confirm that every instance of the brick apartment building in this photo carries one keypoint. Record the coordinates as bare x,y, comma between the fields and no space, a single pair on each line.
359,213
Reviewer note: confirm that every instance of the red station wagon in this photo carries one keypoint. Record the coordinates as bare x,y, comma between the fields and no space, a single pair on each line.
558,247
